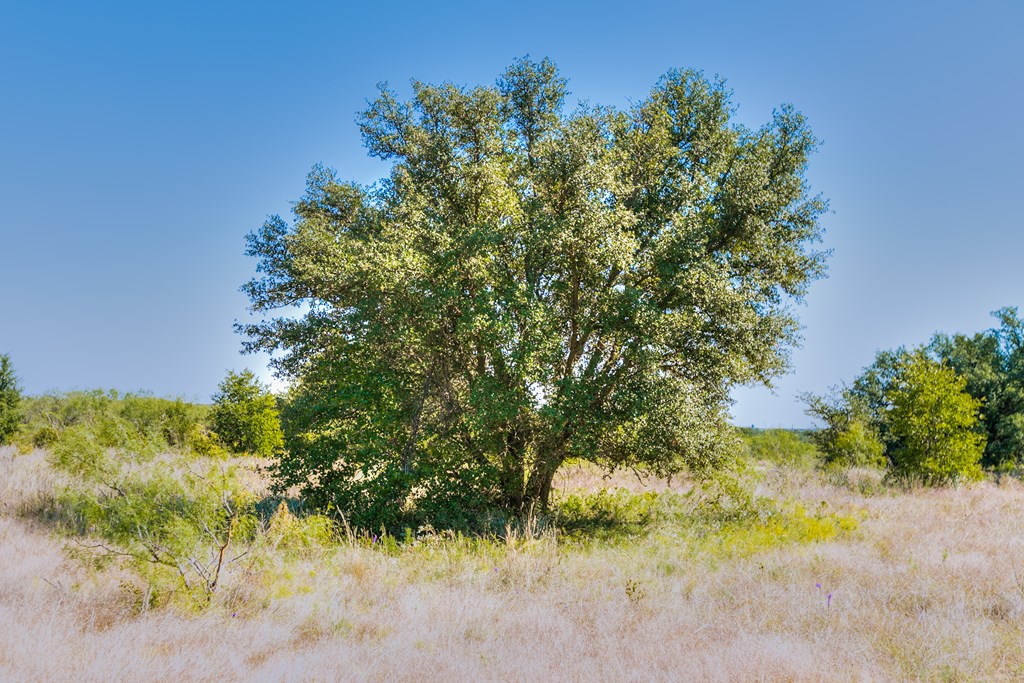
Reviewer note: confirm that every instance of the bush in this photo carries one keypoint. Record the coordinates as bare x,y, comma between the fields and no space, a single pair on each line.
848,438
177,527
10,400
164,423
245,416
175,422
780,446
935,424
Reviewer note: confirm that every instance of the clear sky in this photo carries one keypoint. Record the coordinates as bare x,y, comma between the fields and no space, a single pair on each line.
141,141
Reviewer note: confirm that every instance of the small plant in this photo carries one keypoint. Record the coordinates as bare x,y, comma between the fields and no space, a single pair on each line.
827,595
288,531
635,593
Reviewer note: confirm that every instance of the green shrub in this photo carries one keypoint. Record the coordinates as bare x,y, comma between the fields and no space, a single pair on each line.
245,417
176,526
44,437
780,446
606,515
59,411
177,423
935,423
847,439
289,531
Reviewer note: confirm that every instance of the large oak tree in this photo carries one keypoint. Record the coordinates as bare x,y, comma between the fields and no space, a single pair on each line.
530,285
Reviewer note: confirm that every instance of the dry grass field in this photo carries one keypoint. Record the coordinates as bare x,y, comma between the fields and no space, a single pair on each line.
856,582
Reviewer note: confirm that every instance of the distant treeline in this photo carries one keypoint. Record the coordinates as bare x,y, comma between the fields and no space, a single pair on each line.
940,412
241,418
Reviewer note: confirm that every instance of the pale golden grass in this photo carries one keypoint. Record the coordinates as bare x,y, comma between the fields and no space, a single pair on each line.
925,589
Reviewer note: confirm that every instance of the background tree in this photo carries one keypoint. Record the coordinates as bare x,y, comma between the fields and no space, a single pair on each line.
245,416
992,363
935,423
10,399
869,394
849,436
529,285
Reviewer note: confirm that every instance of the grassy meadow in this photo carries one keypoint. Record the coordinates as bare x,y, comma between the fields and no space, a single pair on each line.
828,575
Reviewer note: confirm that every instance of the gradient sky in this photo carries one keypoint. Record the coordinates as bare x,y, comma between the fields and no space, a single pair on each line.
140,142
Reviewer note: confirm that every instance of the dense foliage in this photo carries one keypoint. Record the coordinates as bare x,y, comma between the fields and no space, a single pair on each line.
530,285
934,423
245,416
10,399
848,438
164,423
992,363
930,409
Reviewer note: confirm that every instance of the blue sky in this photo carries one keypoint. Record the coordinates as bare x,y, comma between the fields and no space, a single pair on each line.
140,142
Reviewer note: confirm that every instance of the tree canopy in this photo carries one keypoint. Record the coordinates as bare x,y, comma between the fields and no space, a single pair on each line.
528,285
992,364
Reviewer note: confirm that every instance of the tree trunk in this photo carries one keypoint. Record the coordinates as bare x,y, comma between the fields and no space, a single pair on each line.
513,474
538,486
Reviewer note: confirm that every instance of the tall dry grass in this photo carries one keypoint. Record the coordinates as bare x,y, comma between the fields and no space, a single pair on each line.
929,587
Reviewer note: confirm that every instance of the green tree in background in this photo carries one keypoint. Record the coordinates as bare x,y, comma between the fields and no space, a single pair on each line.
992,363
869,395
934,422
245,416
848,437
10,400
530,285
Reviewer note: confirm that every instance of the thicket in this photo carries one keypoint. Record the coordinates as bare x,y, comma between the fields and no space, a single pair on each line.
163,423
780,446
937,413
243,419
